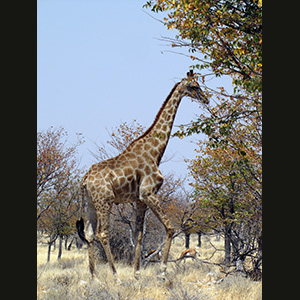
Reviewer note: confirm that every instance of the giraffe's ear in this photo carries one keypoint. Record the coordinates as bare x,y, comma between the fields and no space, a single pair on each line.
190,74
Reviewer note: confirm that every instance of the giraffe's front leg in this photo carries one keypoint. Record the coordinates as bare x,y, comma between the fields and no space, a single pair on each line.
140,217
154,204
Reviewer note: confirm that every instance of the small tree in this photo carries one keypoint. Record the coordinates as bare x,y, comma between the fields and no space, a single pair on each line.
57,185
227,189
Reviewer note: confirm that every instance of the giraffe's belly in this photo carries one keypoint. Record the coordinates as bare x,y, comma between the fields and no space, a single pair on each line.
126,192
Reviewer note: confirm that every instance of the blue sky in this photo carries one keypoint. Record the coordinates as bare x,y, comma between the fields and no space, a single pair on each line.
100,63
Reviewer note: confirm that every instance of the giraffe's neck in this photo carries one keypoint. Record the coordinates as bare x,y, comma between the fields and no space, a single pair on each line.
158,134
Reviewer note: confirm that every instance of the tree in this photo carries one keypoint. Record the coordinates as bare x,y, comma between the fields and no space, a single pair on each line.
226,35
119,139
58,176
55,163
224,38
181,211
228,190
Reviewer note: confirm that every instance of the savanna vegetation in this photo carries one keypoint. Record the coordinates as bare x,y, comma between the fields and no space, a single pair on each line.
69,277
221,213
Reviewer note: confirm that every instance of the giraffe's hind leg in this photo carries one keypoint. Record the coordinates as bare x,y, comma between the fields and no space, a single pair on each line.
86,234
89,233
103,235
91,258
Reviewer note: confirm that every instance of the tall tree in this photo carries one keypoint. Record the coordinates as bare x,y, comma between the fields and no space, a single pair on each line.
224,38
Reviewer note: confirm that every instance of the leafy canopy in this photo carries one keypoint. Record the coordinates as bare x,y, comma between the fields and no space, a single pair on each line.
226,36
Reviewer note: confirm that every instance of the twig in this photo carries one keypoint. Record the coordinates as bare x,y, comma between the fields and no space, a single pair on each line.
153,17
159,248
173,260
147,260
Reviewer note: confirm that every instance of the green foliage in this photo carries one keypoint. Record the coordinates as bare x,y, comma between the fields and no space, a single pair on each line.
227,36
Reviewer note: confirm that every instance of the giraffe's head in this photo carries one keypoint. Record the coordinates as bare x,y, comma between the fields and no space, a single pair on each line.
191,88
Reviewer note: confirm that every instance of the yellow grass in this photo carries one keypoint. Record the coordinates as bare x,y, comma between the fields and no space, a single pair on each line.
69,278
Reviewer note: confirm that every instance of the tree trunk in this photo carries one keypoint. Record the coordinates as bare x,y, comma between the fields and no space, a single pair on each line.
50,244
187,240
199,238
49,251
70,245
227,245
66,242
256,262
60,247
78,242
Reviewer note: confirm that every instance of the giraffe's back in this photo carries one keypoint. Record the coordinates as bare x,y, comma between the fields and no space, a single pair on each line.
119,178
115,180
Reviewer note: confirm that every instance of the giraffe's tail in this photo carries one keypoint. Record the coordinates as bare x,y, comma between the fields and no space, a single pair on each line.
80,223
80,230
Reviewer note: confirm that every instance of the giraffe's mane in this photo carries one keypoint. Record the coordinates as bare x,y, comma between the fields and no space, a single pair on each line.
157,116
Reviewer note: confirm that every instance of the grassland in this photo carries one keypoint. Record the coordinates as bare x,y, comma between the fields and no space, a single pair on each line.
69,278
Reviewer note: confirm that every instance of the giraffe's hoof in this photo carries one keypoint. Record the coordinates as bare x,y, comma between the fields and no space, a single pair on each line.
161,276
163,269
117,279
137,275
96,281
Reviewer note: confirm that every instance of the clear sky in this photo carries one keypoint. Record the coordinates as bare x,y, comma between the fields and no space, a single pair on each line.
100,63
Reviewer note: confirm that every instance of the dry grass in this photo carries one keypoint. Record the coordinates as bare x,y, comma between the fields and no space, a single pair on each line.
69,278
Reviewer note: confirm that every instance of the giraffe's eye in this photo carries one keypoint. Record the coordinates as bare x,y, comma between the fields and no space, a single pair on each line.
193,89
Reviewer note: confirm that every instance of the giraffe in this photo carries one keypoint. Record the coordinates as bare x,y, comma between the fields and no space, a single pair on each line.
133,176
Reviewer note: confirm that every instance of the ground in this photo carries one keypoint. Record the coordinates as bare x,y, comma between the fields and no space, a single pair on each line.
69,278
